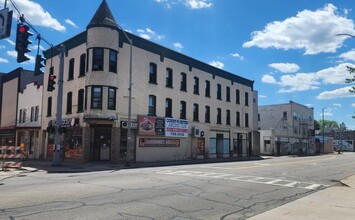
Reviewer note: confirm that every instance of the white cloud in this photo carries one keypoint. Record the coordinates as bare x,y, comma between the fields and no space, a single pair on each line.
262,96
334,75
167,3
312,31
337,93
326,113
285,67
149,34
310,81
353,105
299,82
336,105
34,47
10,42
350,55
217,64
191,4
37,15
178,46
2,60
71,23
13,54
268,79
237,55
198,4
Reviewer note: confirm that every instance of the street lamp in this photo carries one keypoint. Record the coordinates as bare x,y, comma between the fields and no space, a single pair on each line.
129,128
323,124
345,35
129,96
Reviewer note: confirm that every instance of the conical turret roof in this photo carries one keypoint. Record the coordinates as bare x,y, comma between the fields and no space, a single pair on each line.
103,17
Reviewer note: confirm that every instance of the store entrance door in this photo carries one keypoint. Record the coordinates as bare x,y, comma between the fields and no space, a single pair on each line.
100,147
219,140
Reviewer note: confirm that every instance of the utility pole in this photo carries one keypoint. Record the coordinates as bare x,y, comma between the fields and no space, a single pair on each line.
58,143
323,129
129,101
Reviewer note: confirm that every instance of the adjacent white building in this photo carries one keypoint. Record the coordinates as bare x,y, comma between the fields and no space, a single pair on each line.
286,129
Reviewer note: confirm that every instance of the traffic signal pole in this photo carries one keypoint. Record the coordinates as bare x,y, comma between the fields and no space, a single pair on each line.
58,143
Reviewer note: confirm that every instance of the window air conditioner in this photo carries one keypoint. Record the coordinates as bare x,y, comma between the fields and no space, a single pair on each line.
196,132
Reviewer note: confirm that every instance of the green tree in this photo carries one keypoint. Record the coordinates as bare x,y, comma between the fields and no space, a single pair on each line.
316,125
351,80
328,124
342,127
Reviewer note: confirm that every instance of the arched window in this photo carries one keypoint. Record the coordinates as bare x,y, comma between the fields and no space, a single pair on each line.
69,102
153,73
152,105
168,107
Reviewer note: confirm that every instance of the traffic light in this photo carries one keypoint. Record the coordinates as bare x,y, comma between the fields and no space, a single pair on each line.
51,82
22,42
39,65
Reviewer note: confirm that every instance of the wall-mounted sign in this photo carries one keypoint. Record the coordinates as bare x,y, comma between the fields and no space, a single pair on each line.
158,142
124,125
66,122
159,126
176,127
5,23
150,126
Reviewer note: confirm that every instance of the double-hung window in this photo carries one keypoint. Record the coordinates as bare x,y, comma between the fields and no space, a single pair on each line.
96,97
111,99
98,59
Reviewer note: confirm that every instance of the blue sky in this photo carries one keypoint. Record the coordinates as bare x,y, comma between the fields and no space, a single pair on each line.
288,47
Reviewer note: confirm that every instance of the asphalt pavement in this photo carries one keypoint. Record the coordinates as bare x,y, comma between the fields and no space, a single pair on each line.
336,202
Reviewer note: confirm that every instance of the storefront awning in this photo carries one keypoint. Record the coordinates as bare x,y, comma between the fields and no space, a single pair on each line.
99,116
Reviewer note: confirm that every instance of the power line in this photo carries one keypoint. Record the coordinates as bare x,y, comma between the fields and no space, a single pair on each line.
22,19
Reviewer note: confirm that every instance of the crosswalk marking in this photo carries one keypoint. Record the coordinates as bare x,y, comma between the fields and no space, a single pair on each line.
253,179
292,184
273,182
313,186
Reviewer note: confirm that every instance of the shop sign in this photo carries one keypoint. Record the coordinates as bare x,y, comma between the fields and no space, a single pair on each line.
176,127
124,125
150,126
158,142
66,122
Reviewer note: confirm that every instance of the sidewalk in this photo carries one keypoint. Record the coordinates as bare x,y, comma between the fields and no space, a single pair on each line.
336,202
72,167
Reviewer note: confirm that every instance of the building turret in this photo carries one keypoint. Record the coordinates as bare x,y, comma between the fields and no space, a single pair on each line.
102,47
102,31
103,17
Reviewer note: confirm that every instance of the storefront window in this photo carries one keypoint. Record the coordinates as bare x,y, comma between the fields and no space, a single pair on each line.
50,146
73,148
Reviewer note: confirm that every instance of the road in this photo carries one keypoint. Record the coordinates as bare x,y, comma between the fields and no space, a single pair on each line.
229,190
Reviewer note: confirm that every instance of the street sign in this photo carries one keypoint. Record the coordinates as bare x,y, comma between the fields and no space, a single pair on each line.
5,23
